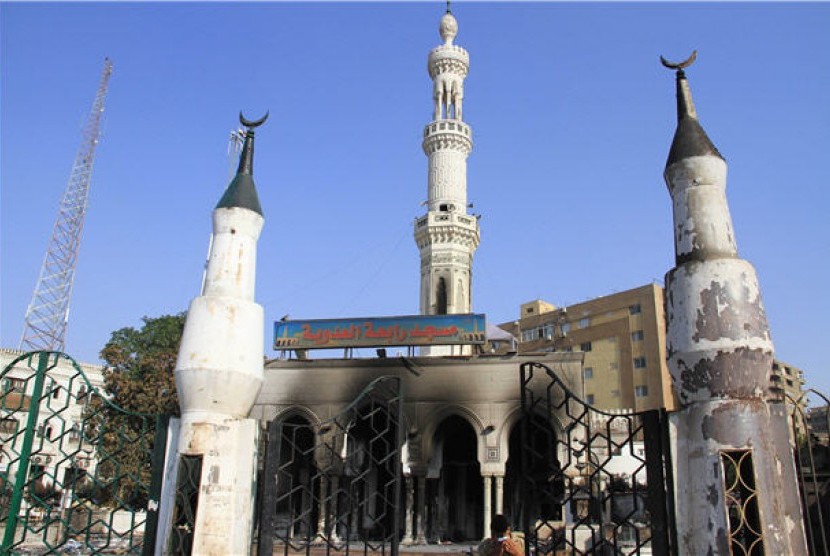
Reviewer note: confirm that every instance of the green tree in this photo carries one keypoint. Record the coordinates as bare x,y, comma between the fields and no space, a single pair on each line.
139,379
140,363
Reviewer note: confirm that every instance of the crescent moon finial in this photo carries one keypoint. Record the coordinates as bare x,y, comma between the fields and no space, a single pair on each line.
255,123
680,65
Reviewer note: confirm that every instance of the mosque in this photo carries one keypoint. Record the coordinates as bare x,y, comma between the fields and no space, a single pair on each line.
461,401
461,407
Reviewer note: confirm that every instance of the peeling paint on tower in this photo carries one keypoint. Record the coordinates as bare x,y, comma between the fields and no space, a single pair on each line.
728,430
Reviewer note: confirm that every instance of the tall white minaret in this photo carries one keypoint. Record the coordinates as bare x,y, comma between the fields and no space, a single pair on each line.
219,373
447,236
737,491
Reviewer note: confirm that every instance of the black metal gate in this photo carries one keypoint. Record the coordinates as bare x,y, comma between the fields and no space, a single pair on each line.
593,482
811,431
336,486
76,472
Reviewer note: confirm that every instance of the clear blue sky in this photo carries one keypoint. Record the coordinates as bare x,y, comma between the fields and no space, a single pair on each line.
572,116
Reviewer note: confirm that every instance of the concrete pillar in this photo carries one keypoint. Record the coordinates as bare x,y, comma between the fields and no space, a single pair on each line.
408,536
499,494
488,509
335,494
323,517
421,513
720,356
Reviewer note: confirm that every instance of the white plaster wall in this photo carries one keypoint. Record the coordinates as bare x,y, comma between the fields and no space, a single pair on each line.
701,213
231,266
226,503
222,345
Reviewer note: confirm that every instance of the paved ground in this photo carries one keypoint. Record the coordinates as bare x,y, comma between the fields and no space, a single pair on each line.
403,550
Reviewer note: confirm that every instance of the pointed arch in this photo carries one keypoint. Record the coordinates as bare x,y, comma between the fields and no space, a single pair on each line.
297,411
441,297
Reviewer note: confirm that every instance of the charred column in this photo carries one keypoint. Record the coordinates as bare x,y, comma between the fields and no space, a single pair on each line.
736,482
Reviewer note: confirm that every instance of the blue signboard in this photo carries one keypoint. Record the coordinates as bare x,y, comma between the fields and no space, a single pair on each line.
421,330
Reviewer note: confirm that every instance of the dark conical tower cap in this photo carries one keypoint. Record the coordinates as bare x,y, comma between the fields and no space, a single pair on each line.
689,138
241,192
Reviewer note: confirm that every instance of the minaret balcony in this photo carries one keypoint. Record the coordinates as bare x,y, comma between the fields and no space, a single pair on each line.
447,52
447,134
448,126
447,218
447,228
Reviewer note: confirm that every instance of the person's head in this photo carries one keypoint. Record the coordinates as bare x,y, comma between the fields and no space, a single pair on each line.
499,526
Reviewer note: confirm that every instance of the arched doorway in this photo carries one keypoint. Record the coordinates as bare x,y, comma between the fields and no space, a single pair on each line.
295,510
370,474
456,489
532,466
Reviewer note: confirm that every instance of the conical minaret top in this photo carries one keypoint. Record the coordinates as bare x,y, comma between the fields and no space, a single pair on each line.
241,192
689,138
696,177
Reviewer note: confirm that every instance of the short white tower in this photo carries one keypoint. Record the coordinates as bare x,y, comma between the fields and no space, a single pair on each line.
737,490
447,236
219,373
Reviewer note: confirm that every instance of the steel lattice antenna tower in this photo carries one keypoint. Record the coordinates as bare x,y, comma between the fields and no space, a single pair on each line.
48,312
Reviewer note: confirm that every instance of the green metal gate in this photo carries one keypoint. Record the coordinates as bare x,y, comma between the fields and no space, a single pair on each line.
77,473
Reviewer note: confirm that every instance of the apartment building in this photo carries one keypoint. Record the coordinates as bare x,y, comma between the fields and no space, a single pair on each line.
58,429
622,336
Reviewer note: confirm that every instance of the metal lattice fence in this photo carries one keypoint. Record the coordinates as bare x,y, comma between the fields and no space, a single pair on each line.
811,434
76,472
594,482
336,486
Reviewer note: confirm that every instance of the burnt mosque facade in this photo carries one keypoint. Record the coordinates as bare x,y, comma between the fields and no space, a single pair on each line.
460,408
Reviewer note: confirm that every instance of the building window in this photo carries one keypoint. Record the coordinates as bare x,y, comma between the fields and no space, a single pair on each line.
36,471
44,431
637,336
635,309
639,362
548,331
741,500
585,346
8,425
584,323
641,391
589,399
441,298
14,385
588,372
566,327
789,382
527,336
